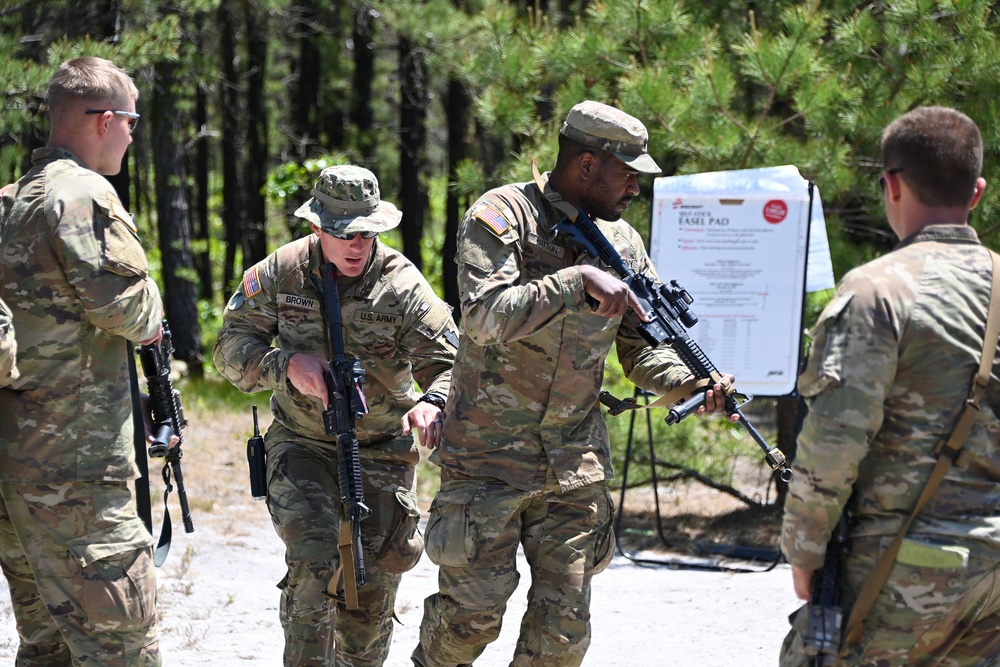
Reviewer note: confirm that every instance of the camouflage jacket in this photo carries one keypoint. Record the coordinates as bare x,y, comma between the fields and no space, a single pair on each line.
891,363
392,321
8,347
524,402
75,277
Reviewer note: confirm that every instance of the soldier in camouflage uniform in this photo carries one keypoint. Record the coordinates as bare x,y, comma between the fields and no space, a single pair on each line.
892,361
77,557
8,347
275,337
525,454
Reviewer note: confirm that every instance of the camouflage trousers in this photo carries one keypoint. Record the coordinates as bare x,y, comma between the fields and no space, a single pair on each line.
939,607
304,502
80,568
473,533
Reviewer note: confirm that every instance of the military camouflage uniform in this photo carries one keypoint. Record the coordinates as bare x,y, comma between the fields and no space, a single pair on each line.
75,277
8,347
892,361
525,453
401,331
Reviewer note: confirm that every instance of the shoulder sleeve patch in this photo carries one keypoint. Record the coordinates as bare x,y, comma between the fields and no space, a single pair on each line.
118,212
492,218
251,283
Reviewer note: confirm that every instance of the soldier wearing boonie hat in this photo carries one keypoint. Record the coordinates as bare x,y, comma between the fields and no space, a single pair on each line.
346,200
275,337
526,458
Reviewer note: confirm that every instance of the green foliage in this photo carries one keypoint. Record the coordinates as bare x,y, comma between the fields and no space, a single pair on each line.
809,83
711,446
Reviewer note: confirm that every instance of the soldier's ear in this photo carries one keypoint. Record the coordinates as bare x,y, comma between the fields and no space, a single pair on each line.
587,164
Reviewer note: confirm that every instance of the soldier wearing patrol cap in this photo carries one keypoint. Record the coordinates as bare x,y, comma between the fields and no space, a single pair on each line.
274,338
525,455
72,270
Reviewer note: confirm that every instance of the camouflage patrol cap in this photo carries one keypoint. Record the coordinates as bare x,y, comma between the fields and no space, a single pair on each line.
345,200
600,126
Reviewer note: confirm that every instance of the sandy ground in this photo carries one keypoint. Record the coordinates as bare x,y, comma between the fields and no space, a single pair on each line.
218,602
218,606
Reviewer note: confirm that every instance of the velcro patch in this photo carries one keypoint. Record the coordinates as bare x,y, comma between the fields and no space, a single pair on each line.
494,220
251,283
371,317
118,212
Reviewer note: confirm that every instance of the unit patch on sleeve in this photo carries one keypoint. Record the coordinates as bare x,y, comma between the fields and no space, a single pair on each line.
251,283
494,220
118,212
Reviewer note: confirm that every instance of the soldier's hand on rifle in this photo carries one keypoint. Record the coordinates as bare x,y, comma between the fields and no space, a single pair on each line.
147,421
715,399
428,420
802,581
307,374
613,297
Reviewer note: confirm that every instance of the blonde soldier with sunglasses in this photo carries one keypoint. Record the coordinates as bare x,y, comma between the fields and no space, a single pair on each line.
72,271
275,338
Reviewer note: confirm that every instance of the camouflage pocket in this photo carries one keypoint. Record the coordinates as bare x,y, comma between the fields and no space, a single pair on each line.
449,535
604,550
117,584
404,544
824,364
122,252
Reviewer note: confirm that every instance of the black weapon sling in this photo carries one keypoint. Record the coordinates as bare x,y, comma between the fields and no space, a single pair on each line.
143,505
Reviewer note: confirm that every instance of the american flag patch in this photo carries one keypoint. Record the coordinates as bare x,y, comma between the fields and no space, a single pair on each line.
251,283
493,219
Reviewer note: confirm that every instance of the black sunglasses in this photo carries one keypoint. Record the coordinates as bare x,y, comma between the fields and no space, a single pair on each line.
881,179
350,237
133,118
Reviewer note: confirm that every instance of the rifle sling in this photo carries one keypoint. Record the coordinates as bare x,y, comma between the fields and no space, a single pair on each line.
143,504
345,572
948,452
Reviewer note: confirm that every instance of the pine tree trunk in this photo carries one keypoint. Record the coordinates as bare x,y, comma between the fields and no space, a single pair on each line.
232,186
412,115
362,117
174,218
255,236
457,112
203,259
306,70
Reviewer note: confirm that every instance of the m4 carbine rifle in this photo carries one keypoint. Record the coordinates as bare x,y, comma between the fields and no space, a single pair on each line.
667,307
825,611
168,421
345,384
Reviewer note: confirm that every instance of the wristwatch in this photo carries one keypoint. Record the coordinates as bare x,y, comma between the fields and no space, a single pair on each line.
436,400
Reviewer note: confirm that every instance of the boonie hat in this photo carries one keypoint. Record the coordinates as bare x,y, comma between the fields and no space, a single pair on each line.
345,200
600,126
